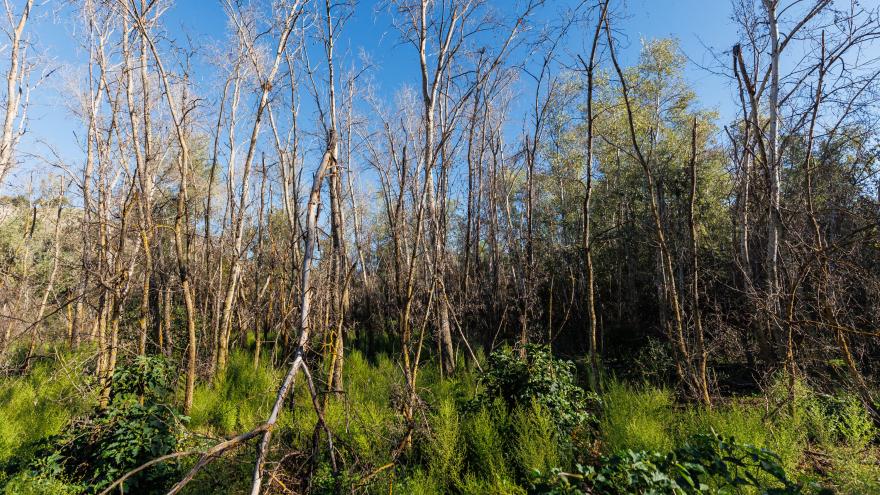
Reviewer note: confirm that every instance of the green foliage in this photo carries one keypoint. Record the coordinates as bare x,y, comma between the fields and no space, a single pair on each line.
654,363
490,444
366,426
474,485
483,434
27,242
537,439
420,483
325,482
842,428
636,418
370,382
138,425
363,416
745,420
35,407
444,454
27,483
147,378
536,376
705,464
839,419
230,473
237,400
38,405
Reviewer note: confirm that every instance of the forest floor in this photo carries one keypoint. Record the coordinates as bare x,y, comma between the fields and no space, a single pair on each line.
463,439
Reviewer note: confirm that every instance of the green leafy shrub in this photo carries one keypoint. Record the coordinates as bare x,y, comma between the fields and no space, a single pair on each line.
325,482
483,432
230,473
705,464
443,448
366,428
538,377
653,363
138,425
841,427
27,483
420,483
839,419
363,418
474,485
745,420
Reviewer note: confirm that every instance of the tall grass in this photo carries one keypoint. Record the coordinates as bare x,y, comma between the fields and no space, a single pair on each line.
41,403
537,440
636,418
237,400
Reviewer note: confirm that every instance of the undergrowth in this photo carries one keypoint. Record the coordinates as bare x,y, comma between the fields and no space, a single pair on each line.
522,426
237,400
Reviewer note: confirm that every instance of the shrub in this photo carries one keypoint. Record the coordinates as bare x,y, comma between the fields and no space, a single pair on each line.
365,435
230,473
365,426
39,405
420,483
538,377
483,433
653,363
367,383
239,399
705,464
138,425
844,430
29,484
443,448
745,421
473,485
847,421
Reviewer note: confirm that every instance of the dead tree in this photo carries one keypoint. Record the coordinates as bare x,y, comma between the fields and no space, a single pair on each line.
178,117
16,77
266,79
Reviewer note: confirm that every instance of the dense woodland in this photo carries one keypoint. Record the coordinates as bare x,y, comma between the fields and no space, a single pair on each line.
539,266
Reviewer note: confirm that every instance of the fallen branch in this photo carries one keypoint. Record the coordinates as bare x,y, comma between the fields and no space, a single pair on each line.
145,465
366,479
206,458
215,452
328,160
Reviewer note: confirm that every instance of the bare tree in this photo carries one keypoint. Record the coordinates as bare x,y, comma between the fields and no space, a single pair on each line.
266,78
16,81
590,67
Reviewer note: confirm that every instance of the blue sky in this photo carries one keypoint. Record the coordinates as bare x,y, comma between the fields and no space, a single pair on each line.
701,26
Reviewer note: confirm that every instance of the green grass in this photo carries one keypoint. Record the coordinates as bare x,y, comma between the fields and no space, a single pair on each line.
636,418
483,432
41,403
238,400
